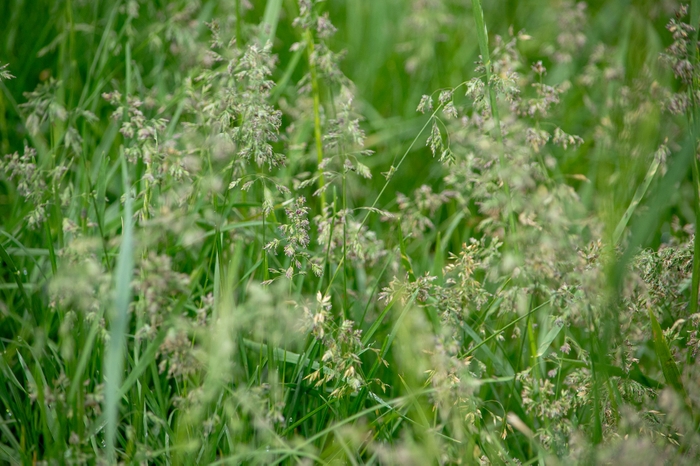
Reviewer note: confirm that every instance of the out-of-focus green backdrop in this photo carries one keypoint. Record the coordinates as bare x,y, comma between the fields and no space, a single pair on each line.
395,51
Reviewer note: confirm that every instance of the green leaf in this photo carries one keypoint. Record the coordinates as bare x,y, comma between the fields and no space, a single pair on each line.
638,195
16,275
119,320
548,339
405,261
668,364
268,27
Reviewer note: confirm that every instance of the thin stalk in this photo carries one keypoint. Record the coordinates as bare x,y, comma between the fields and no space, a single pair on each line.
695,281
52,253
327,263
317,114
693,120
695,278
100,227
393,169
482,36
239,34
534,359
265,266
17,276
345,247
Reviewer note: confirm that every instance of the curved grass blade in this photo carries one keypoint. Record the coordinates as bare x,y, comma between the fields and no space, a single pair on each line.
548,338
694,121
668,364
638,195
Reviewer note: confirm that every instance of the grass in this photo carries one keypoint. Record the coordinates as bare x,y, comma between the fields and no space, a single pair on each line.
227,236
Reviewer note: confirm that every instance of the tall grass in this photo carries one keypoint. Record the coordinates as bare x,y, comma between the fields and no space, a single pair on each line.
227,236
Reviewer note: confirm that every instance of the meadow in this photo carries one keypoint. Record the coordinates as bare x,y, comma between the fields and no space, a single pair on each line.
396,232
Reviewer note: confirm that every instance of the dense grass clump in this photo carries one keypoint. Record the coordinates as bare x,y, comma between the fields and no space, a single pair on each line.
360,232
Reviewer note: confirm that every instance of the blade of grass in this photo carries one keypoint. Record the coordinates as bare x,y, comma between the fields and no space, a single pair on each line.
663,352
638,195
21,250
505,327
281,85
482,37
52,253
16,275
694,121
548,338
405,260
268,27
316,92
119,319
85,355
646,224
145,361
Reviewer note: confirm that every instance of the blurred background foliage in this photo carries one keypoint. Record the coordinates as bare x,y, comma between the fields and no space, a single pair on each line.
395,51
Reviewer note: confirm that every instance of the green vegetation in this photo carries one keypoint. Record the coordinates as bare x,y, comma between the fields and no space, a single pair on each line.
349,232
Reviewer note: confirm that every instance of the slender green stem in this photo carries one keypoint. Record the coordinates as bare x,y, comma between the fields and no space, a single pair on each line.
317,113
345,246
239,21
393,169
695,281
693,120
101,229
483,39
265,271
52,253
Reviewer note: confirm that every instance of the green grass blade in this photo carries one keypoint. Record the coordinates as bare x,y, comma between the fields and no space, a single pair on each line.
16,276
548,338
52,253
663,352
405,260
119,320
482,36
85,356
694,128
145,361
268,27
638,195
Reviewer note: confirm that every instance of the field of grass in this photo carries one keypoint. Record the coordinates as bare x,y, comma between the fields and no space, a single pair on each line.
375,232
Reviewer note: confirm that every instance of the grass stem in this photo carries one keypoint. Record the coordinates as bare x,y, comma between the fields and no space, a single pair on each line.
308,36
482,36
